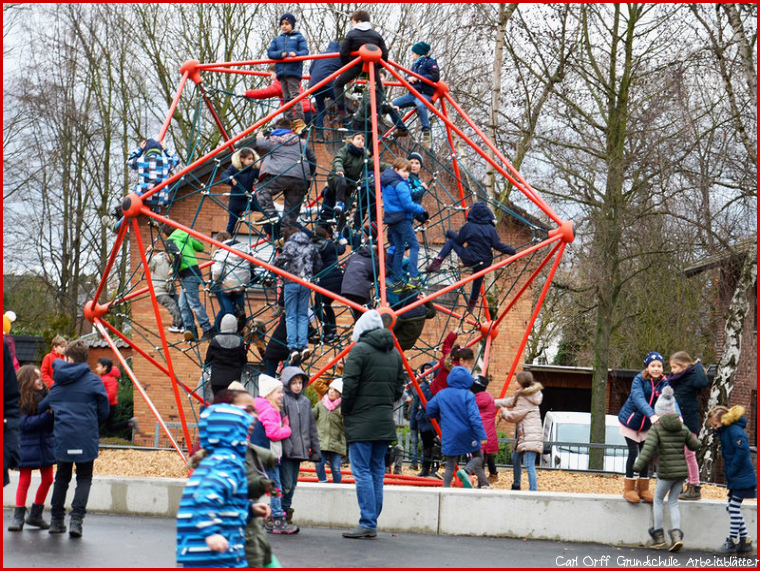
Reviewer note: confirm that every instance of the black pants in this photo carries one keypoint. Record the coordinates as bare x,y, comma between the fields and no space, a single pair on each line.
633,452
61,486
111,423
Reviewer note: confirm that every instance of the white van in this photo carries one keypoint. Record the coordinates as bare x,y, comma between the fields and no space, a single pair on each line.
567,437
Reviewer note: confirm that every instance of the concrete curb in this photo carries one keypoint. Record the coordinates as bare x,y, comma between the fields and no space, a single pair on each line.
583,518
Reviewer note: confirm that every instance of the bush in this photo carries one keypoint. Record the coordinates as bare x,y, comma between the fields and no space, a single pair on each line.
124,410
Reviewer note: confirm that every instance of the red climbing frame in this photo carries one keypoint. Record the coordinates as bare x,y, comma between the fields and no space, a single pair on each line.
368,57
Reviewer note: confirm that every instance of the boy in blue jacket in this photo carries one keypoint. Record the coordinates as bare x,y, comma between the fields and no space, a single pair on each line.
461,426
290,43
399,209
427,67
474,244
79,402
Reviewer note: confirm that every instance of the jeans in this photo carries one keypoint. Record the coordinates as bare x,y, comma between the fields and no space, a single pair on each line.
414,439
530,464
61,486
289,478
297,315
190,302
290,88
227,302
334,458
400,234
170,303
368,469
410,100
275,501
670,488
319,98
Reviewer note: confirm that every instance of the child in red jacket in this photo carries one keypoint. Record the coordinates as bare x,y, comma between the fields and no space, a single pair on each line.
110,376
59,346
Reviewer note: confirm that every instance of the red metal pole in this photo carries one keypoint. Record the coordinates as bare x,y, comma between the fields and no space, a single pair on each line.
173,108
214,114
378,189
454,157
111,260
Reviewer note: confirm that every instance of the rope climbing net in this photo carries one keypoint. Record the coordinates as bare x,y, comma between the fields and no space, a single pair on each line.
452,189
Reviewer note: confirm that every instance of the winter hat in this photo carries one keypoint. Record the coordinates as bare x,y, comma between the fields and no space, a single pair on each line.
289,17
665,404
653,356
153,147
267,385
337,384
479,384
8,318
229,324
421,48
415,156
236,386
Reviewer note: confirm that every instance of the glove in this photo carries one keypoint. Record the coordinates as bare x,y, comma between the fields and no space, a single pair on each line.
286,421
240,93
451,235
315,457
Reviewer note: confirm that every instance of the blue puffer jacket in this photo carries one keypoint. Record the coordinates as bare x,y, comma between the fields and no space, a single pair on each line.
37,440
427,67
322,68
479,236
734,445
397,196
455,408
215,499
639,406
79,401
292,42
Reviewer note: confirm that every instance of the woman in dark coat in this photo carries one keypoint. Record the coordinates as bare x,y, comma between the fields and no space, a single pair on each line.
330,278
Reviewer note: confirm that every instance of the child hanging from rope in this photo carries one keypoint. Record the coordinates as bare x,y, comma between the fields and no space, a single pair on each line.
480,236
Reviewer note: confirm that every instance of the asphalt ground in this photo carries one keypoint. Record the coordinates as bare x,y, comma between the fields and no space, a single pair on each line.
144,542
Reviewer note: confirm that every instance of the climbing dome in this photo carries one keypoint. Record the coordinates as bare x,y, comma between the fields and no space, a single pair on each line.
168,371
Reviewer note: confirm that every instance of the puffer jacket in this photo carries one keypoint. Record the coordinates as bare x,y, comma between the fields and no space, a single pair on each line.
299,257
397,196
734,446
245,179
303,442
455,408
215,499
362,33
286,43
330,276
639,406
526,417
686,387
350,160
160,267
37,439
227,356
79,401
359,274
373,380
479,237
332,436
270,420
111,382
667,438
427,67
287,155
487,408
231,272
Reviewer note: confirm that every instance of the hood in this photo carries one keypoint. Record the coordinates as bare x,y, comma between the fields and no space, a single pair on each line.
533,394
370,321
480,214
229,324
380,339
65,373
236,159
152,147
288,374
734,416
115,372
224,427
363,26
332,47
671,422
285,137
459,378
389,176
299,239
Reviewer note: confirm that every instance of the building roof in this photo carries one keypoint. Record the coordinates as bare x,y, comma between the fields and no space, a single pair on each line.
736,250
29,348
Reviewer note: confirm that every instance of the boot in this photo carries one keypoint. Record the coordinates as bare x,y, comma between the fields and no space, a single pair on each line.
744,545
289,515
427,140
18,519
629,491
282,527
268,525
35,517
427,454
676,540
658,538
434,266
728,548
691,493
75,526
644,493
515,486
57,525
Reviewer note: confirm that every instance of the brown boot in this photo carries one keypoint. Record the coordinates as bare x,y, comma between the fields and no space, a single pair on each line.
643,489
691,493
629,491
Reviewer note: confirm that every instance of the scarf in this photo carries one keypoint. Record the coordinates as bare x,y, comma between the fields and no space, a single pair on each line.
330,404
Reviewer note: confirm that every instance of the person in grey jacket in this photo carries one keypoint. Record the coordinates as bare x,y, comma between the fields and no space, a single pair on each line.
303,443
289,165
161,272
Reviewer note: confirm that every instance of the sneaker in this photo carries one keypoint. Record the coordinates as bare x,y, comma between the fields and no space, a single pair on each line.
295,357
319,137
108,222
728,548
414,283
279,243
189,335
266,219
305,353
398,287
427,139
353,95
339,208
278,309
360,532
330,338
175,329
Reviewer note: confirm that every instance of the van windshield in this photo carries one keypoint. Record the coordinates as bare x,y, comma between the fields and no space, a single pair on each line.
580,434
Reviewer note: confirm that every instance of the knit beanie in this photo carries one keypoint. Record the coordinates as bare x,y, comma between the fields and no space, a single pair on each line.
289,17
421,48
415,156
152,147
236,386
665,404
229,324
653,356
267,385
337,384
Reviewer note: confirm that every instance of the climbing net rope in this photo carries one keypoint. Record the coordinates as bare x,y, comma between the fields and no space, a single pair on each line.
452,189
